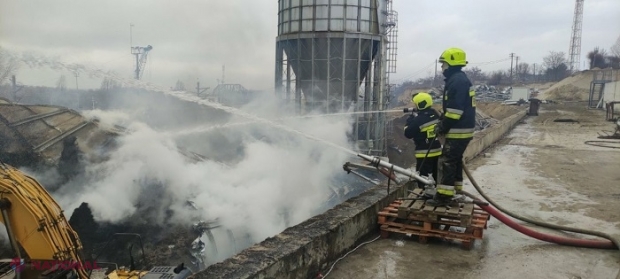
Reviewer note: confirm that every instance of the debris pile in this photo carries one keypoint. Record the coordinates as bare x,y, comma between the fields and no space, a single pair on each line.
484,121
486,93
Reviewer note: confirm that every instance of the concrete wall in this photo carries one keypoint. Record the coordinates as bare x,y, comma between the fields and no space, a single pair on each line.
491,135
612,92
304,250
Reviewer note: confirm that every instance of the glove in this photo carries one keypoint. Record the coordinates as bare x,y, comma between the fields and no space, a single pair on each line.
439,130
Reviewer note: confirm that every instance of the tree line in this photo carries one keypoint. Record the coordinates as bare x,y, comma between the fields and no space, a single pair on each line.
554,67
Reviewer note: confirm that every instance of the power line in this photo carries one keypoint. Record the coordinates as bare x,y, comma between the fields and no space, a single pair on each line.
512,56
416,73
489,62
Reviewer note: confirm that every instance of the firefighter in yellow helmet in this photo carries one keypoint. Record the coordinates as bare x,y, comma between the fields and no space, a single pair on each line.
420,128
456,125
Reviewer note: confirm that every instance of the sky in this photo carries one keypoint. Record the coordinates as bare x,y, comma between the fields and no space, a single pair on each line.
193,39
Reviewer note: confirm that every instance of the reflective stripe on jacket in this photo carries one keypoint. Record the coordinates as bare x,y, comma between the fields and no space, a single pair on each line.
421,130
459,105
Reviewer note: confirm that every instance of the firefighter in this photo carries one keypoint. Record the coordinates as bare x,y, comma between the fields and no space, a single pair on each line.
421,129
457,123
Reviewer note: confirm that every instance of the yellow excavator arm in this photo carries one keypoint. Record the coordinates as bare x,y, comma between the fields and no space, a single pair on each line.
35,221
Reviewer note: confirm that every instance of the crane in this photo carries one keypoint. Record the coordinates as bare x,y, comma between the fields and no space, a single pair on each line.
141,53
38,231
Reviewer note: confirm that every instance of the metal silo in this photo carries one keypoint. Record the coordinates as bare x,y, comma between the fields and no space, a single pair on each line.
334,56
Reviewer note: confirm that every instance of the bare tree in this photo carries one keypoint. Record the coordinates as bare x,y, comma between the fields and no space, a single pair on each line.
110,84
598,58
522,70
497,78
555,65
475,74
180,86
61,84
8,65
554,59
615,49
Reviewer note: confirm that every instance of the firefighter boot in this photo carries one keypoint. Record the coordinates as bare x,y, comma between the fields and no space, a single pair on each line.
458,186
429,193
443,197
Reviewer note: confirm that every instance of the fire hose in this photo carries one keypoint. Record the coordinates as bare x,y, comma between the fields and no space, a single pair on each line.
498,212
612,243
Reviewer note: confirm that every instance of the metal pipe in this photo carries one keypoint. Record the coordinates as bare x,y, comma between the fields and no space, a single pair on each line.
360,166
58,138
364,177
37,117
428,180
347,168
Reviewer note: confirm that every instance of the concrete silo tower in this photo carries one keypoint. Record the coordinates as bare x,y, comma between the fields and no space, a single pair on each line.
334,56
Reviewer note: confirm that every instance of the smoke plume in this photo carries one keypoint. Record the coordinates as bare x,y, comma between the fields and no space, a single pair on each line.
279,179
258,177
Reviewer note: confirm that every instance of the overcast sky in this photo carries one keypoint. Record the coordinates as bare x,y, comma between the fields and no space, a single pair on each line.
192,39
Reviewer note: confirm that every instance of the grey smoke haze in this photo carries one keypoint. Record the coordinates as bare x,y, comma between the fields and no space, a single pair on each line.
273,178
277,172
193,39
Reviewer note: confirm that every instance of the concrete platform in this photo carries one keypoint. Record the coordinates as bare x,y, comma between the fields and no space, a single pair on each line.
542,169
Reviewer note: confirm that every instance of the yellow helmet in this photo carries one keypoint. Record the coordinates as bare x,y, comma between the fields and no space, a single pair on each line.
422,100
453,57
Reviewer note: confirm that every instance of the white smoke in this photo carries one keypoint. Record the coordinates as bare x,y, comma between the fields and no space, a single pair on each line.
282,173
277,178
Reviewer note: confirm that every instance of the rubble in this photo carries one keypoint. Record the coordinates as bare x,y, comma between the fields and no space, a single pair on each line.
486,93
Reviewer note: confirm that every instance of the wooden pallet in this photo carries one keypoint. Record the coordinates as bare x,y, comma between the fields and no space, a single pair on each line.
419,210
435,224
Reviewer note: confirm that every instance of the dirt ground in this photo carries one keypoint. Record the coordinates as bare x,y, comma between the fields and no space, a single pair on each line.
497,110
577,86
541,170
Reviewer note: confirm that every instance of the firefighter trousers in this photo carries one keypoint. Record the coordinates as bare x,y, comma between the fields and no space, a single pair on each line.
452,161
429,166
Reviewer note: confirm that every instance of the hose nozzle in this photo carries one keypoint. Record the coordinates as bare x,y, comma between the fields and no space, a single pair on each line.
407,110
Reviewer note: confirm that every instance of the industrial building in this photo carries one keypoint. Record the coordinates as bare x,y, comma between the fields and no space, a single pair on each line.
334,56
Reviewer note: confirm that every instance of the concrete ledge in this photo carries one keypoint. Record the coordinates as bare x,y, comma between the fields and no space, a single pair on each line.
303,250
484,139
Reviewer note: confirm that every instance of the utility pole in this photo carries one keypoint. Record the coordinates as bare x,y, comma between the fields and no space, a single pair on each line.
130,36
15,88
223,73
200,90
517,68
512,55
534,71
77,74
14,83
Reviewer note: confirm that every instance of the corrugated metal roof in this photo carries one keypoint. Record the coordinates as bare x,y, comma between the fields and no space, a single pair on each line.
38,131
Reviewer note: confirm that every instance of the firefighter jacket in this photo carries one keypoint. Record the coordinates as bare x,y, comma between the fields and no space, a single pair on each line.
459,106
422,130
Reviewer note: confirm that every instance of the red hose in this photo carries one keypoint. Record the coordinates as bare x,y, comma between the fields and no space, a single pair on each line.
586,243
